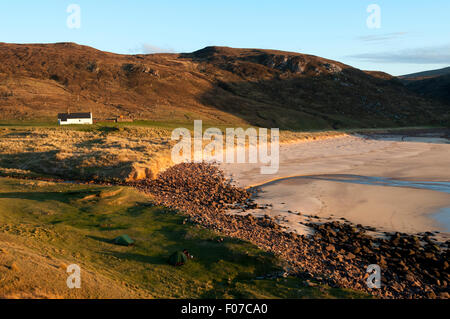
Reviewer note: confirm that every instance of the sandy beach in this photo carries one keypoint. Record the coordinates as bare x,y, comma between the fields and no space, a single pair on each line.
393,183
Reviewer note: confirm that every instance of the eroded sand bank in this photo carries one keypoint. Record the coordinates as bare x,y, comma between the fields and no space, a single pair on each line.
338,177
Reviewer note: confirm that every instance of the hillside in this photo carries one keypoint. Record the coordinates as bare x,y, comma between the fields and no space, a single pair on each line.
426,74
434,84
217,84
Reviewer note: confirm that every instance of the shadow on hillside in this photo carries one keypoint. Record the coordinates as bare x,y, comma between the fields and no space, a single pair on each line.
102,144
69,168
98,142
101,239
138,209
350,99
65,197
147,259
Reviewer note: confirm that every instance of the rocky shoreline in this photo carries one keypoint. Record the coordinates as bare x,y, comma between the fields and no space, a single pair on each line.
338,252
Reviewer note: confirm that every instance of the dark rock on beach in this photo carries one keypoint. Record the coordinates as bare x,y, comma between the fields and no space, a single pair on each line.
338,252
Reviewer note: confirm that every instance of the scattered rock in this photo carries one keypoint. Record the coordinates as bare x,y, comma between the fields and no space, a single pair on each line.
338,251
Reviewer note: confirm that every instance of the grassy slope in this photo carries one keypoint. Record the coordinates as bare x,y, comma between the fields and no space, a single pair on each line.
105,150
100,151
46,226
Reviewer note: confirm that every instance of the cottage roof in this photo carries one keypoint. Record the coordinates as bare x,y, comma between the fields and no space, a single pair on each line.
66,116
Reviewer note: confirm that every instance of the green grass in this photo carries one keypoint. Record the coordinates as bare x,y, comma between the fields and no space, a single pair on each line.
77,223
306,126
28,123
100,126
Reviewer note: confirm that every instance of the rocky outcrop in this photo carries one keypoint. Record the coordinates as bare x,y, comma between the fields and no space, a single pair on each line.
137,172
132,68
285,63
297,64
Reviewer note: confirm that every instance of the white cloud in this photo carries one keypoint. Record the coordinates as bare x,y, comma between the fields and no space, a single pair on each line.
381,37
423,55
147,48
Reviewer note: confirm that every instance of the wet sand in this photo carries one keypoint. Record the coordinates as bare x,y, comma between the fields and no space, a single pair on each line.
393,183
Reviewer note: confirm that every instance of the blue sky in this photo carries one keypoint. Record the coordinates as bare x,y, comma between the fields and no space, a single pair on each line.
413,36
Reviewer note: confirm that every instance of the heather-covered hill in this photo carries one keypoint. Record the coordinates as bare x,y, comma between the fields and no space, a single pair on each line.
426,74
217,84
433,84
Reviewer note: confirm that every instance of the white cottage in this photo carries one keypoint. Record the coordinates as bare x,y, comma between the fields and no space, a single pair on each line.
74,118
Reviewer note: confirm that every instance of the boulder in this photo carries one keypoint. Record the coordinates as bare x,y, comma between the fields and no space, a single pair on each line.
137,172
